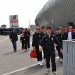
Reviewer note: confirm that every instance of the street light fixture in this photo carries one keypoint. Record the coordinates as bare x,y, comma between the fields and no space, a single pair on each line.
29,24
46,23
52,24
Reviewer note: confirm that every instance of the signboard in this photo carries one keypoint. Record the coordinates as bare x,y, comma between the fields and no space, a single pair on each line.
14,21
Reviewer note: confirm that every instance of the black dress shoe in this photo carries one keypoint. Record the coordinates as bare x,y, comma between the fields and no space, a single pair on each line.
15,51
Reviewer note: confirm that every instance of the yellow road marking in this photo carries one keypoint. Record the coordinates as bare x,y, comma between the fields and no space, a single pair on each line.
3,39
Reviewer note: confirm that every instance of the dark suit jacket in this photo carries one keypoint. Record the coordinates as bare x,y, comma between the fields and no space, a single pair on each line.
13,36
65,36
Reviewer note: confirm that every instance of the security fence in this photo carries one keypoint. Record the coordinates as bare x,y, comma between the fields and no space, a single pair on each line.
68,57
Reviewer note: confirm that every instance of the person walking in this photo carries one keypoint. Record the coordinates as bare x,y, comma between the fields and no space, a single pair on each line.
48,42
43,33
28,40
59,37
35,44
22,39
14,37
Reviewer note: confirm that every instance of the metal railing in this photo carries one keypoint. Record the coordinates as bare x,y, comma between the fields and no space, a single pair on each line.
68,57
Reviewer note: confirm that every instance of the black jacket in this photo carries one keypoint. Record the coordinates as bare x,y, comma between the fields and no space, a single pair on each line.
22,38
42,34
26,35
48,42
65,36
13,36
36,38
59,38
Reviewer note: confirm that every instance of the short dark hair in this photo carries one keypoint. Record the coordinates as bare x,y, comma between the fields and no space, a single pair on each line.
57,28
42,27
48,27
13,29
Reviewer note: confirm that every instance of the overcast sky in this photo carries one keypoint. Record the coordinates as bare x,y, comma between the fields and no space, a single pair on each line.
25,9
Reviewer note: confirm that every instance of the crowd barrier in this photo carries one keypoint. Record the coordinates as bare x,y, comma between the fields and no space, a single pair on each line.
68,57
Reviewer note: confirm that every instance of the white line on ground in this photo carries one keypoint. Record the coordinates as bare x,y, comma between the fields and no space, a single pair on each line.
3,40
19,70
23,68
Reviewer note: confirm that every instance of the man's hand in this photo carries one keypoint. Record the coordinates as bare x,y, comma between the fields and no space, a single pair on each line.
61,50
11,39
33,48
40,48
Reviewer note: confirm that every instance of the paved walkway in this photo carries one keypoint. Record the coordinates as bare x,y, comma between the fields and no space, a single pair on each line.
19,63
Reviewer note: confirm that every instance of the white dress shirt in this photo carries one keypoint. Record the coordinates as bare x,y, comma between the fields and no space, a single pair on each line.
69,36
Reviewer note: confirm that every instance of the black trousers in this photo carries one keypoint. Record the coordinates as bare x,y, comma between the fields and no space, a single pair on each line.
28,43
39,54
50,55
59,53
23,44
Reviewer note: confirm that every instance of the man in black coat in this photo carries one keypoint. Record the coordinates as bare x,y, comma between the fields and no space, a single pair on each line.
28,39
59,37
35,44
13,37
69,35
43,33
48,42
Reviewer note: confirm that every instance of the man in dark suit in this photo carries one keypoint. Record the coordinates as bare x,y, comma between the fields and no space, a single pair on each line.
13,37
64,34
69,35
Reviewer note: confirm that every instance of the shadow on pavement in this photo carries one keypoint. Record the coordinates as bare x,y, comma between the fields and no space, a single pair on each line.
13,52
9,53
59,64
39,70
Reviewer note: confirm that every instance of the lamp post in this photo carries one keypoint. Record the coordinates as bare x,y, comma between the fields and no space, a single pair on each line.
52,24
29,24
46,23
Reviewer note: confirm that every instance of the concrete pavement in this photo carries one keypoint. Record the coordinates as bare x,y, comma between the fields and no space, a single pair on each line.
12,61
37,70
3,37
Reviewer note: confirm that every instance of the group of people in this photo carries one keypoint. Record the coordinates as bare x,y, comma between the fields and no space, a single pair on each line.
24,39
44,39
